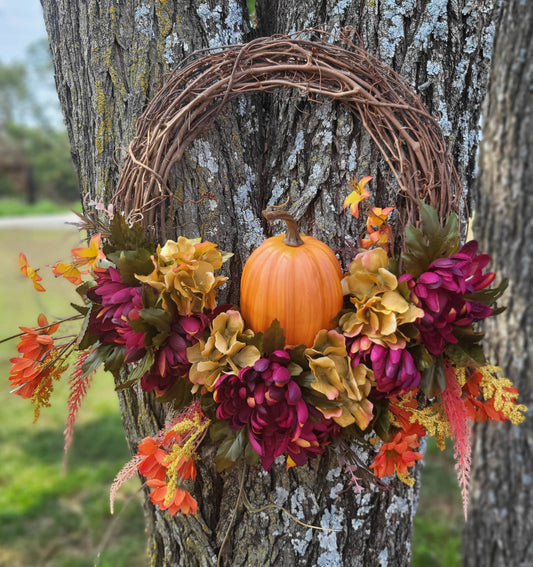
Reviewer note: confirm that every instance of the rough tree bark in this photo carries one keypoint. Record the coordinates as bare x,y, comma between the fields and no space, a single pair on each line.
501,513
109,57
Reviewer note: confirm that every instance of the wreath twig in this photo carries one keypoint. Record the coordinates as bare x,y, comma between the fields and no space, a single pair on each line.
395,118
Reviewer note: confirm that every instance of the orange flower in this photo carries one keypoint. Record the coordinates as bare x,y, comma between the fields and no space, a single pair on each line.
30,272
69,272
181,500
377,217
358,194
25,376
402,410
153,465
89,255
481,410
379,232
396,456
28,372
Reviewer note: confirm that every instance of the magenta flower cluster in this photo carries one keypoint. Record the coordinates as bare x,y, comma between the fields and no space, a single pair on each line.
266,399
442,292
116,305
394,369
171,360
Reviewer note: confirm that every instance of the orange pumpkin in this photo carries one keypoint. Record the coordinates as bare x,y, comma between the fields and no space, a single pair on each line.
293,278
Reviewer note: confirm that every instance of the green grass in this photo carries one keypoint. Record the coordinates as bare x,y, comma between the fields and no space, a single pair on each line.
55,511
52,515
439,521
12,207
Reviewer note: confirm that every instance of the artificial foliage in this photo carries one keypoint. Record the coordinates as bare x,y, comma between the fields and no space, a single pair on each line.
401,359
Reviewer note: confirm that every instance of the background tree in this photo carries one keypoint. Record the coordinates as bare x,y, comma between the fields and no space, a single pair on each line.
34,150
109,59
501,514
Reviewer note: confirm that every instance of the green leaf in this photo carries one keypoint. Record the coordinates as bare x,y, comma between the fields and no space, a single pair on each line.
94,360
114,360
81,290
273,338
381,422
209,406
83,309
231,445
179,395
465,354
433,380
431,242
314,397
298,357
157,318
131,262
429,219
124,237
467,350
85,339
489,296
143,366
255,340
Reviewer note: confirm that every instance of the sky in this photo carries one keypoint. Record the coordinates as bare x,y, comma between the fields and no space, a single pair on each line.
21,23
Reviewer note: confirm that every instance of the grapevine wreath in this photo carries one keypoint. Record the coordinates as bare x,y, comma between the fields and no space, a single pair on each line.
387,354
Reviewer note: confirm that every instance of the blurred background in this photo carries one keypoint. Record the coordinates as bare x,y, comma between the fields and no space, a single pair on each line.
54,509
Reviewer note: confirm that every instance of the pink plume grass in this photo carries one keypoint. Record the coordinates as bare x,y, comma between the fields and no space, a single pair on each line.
79,386
461,432
129,470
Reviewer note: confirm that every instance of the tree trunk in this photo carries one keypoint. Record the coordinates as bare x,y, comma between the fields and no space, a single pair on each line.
501,518
108,59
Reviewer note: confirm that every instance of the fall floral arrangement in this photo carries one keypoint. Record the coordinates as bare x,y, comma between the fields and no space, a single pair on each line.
385,353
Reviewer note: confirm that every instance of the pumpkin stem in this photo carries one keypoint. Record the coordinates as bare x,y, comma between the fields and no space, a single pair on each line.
292,238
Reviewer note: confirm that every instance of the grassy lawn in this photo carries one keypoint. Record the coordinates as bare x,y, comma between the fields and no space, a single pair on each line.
11,207
55,512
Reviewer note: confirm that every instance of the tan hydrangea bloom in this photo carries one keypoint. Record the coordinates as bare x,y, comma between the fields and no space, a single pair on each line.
369,274
337,380
222,353
380,308
184,274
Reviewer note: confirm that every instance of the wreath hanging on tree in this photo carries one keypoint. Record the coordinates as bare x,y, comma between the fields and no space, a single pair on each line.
385,353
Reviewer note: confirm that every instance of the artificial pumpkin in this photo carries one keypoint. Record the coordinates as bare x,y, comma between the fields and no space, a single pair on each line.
293,278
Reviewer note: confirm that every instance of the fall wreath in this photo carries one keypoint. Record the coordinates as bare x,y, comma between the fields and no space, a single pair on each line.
387,353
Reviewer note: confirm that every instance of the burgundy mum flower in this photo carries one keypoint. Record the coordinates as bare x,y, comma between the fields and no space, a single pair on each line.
394,370
118,304
171,360
442,292
265,398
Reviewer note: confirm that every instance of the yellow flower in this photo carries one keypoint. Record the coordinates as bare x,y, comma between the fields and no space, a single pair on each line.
222,353
358,194
380,309
89,255
335,378
184,274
